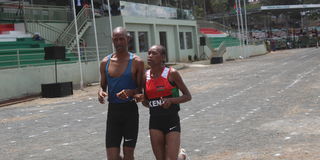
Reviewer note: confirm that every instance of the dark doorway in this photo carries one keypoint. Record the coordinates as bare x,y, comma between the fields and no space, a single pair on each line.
163,42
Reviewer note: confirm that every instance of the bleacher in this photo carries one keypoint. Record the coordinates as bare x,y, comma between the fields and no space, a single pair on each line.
27,52
216,37
229,41
6,27
210,31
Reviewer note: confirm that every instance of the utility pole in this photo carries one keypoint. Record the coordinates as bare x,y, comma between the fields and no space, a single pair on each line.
238,22
204,8
245,20
95,34
77,38
241,21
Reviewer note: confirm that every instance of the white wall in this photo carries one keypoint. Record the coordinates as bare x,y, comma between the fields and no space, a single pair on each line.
237,52
15,83
19,27
150,25
172,27
171,41
184,53
204,50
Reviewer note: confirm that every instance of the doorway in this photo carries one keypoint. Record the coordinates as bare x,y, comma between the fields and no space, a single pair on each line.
163,42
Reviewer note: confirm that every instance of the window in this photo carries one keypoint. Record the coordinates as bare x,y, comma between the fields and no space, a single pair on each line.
143,41
131,43
181,37
189,40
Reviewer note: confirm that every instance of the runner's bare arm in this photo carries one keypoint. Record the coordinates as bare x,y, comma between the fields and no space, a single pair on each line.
139,74
186,96
103,82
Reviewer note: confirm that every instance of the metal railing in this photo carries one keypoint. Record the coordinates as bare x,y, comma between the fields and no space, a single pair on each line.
82,18
46,31
47,13
38,13
90,54
10,12
27,57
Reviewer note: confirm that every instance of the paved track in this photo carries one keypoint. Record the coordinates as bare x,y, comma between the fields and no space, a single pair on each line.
265,107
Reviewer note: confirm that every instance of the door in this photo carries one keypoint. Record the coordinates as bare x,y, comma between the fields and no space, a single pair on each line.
163,42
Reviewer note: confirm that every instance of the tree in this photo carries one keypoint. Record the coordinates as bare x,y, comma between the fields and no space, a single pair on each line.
198,11
219,6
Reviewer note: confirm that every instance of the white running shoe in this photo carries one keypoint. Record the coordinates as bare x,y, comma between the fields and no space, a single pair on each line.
182,154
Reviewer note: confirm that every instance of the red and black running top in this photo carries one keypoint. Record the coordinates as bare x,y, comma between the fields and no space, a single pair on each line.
160,87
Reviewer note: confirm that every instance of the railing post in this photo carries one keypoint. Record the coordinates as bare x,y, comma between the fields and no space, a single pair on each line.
18,57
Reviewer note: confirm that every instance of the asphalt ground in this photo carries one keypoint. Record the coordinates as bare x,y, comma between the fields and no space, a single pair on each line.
261,108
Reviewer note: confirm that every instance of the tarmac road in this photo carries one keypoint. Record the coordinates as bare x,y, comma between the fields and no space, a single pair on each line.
261,108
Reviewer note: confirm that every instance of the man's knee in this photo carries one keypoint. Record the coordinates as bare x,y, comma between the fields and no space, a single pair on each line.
113,154
128,153
114,157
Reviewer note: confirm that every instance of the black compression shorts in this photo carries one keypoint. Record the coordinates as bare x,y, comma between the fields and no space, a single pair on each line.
122,122
166,124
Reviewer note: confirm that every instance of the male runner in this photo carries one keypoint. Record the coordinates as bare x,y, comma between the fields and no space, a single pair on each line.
122,73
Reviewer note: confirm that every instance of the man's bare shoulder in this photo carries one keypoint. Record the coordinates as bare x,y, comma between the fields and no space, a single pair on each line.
137,59
105,59
173,70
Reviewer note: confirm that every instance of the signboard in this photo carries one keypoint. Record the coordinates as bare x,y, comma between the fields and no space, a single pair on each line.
302,6
145,10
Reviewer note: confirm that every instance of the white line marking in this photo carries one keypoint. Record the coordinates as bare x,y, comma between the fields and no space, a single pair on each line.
47,150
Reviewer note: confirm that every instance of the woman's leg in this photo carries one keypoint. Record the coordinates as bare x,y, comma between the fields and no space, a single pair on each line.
157,138
172,145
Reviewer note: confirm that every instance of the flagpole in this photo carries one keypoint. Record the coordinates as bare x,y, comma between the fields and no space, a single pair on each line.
246,21
95,34
241,21
110,23
238,21
77,38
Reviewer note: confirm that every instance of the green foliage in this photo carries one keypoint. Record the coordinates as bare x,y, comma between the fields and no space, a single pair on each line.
314,16
198,11
253,6
219,6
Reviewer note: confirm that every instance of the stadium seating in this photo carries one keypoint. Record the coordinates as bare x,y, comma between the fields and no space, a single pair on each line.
31,53
214,42
6,27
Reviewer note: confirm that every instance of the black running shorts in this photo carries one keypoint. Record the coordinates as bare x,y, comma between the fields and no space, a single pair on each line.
122,123
165,123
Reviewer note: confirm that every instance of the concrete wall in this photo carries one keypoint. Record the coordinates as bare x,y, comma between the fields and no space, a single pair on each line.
184,53
150,25
131,27
103,34
19,82
172,28
172,41
204,50
239,52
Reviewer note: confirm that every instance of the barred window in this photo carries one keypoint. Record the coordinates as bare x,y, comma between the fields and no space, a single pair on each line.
131,43
189,40
143,41
181,37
